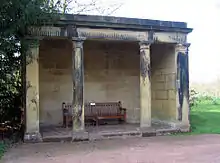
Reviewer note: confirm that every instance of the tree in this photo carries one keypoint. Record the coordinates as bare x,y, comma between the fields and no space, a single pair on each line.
85,6
15,18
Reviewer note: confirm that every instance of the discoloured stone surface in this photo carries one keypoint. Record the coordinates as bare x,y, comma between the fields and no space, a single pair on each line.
111,34
145,85
182,80
34,137
115,23
180,149
78,85
170,37
32,93
46,31
163,82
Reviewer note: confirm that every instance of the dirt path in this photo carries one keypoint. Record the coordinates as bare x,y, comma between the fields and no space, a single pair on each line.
172,149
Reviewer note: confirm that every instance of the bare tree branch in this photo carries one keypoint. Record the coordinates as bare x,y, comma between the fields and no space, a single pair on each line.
100,7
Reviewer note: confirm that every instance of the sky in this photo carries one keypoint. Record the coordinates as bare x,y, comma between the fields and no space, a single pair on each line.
203,16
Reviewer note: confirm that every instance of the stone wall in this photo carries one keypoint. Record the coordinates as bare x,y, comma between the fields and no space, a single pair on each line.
163,82
111,74
55,79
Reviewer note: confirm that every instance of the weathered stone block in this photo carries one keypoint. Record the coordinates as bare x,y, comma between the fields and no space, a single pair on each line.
159,78
170,107
157,104
167,70
170,64
161,95
172,94
161,65
153,95
170,77
165,105
34,137
158,86
170,85
80,136
157,72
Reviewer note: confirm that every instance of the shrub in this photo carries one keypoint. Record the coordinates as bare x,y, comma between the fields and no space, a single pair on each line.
205,98
193,97
2,149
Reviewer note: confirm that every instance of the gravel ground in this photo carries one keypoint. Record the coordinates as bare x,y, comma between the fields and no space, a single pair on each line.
166,149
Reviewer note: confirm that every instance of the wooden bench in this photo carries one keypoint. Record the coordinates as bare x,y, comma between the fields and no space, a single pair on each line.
67,114
3,130
96,111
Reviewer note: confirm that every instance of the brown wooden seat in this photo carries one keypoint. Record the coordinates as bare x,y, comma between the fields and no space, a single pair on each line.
67,113
96,111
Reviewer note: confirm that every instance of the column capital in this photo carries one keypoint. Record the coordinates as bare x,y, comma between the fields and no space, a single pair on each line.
182,47
145,44
31,42
78,41
31,48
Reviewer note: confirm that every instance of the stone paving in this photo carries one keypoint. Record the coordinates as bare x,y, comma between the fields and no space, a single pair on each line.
58,133
166,149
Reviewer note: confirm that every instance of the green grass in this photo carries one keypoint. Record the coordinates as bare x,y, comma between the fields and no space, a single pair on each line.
205,118
2,149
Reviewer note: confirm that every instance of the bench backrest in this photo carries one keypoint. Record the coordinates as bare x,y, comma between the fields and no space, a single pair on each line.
98,108
67,107
102,109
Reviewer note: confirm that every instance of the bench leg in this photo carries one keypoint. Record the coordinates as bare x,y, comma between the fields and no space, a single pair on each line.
70,120
124,118
2,135
66,122
97,122
121,121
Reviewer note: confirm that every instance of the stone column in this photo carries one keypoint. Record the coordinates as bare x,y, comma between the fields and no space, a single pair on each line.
32,132
145,85
182,83
78,89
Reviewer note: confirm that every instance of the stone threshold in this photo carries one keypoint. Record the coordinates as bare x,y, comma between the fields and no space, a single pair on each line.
114,135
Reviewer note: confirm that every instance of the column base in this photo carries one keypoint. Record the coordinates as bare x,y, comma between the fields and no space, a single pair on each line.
80,136
183,127
33,137
145,125
174,125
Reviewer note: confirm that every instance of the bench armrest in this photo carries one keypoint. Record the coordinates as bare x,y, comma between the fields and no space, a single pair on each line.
123,110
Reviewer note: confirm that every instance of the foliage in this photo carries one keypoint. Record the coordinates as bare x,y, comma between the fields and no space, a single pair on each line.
97,7
15,17
7,143
2,149
205,98
193,97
